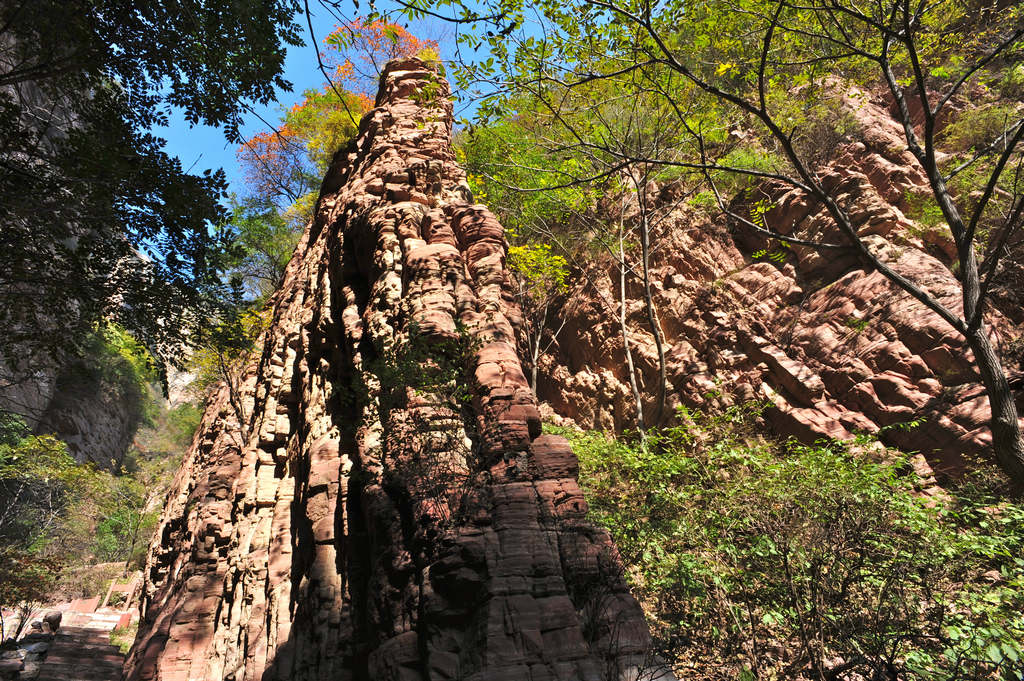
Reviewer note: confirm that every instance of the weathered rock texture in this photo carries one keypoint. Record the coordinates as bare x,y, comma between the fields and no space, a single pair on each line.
343,524
831,345
97,417
96,413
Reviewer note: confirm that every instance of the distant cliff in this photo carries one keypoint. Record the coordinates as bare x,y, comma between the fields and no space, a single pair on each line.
94,401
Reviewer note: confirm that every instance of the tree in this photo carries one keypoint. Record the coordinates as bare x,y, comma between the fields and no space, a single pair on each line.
361,48
284,166
124,515
263,243
39,482
25,580
97,220
540,279
749,60
222,356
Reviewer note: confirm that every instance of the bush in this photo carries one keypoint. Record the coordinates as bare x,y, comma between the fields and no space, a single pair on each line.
978,127
779,560
746,157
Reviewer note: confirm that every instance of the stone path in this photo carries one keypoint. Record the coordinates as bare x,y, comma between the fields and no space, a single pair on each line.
82,654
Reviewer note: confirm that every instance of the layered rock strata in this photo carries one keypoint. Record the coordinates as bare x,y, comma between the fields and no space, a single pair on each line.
828,343
376,500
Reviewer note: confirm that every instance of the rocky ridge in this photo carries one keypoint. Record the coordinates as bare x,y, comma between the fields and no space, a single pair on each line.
831,346
377,501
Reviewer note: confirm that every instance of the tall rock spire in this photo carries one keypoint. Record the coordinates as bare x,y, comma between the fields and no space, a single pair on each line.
377,502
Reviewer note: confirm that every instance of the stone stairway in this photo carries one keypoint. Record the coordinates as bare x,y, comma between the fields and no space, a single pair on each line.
82,654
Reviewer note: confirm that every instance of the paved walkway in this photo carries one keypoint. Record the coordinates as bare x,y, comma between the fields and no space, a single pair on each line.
82,654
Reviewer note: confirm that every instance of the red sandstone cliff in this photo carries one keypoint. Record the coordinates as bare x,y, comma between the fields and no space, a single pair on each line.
353,527
830,344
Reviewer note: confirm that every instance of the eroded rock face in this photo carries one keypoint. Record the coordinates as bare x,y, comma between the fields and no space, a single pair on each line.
95,414
379,501
833,347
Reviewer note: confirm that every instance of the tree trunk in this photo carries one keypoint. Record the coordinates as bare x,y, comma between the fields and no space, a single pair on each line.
652,316
637,400
538,333
1006,434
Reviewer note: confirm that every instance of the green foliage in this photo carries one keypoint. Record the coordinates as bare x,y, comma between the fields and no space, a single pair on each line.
120,360
57,515
263,242
788,560
858,325
182,423
978,127
705,202
224,348
121,519
12,429
325,125
124,637
777,257
924,209
752,85
38,481
540,272
24,578
1011,82
745,157
507,168
87,187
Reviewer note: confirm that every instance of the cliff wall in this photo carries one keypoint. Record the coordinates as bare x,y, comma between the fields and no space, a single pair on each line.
826,341
79,400
378,501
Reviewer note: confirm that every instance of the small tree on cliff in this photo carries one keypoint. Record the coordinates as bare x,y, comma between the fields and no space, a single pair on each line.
750,60
540,280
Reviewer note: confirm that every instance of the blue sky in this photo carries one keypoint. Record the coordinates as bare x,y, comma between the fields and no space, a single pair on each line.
201,147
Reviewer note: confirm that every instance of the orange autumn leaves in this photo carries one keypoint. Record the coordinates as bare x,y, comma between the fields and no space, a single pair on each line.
284,166
359,49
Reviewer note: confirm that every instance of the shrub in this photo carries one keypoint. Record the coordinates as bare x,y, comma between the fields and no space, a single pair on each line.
978,127
124,637
780,560
746,157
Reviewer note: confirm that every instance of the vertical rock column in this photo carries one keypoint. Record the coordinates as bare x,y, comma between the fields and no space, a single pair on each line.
377,501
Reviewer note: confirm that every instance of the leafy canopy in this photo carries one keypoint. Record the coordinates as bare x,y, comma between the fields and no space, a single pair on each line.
97,220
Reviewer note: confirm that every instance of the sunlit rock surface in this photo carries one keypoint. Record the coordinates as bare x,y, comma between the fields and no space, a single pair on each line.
332,522
829,345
